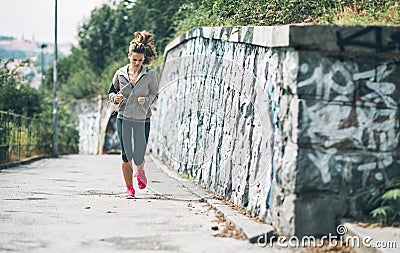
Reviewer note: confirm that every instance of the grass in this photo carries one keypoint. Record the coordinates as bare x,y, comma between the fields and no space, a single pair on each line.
353,15
280,12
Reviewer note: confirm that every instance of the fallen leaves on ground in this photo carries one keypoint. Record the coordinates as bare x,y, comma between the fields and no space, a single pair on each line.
229,229
328,248
242,211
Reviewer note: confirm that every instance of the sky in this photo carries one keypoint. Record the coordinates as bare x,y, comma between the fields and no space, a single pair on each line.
35,18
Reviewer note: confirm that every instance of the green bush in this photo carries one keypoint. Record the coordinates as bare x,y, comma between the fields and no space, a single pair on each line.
383,201
15,96
34,134
279,12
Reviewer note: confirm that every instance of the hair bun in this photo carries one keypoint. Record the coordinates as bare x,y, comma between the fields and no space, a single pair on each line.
144,37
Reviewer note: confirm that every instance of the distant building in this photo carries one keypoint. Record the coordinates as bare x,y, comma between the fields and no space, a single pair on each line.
22,50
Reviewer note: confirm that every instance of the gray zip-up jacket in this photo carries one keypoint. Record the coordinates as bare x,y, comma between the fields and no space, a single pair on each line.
146,86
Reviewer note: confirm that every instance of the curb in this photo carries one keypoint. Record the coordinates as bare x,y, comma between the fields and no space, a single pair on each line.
353,231
255,232
4,166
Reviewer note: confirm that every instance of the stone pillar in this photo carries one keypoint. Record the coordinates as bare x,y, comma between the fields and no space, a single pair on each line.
348,125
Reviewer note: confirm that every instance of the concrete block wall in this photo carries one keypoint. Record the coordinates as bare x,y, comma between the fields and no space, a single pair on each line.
91,119
87,119
293,123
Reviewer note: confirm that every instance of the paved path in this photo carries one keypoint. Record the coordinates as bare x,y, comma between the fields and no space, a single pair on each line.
76,204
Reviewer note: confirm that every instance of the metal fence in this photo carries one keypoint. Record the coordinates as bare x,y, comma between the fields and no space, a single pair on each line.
24,138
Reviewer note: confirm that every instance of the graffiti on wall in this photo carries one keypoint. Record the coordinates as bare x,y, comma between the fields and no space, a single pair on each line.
88,127
214,119
352,109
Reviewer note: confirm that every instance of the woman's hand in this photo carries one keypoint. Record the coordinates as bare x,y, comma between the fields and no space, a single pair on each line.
141,100
119,98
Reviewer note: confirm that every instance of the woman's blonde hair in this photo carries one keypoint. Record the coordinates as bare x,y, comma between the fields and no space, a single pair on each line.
143,44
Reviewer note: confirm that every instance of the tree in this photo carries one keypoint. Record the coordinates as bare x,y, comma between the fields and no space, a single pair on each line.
16,97
95,38
158,17
104,38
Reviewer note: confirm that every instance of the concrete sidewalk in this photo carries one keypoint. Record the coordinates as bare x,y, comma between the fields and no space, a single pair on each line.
76,204
374,239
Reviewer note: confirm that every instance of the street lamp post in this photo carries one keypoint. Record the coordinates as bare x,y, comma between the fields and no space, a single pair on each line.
43,46
55,88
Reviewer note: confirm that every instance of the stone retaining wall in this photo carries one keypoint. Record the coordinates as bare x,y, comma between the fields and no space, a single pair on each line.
293,123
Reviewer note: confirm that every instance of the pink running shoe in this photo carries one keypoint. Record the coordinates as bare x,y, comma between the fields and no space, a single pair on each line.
130,192
141,178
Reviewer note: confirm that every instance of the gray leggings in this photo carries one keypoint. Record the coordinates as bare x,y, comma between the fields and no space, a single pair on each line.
139,130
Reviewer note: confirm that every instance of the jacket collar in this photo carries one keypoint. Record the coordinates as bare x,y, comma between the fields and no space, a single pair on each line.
124,71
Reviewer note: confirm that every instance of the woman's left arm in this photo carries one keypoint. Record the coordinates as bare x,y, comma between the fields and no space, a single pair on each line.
153,91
